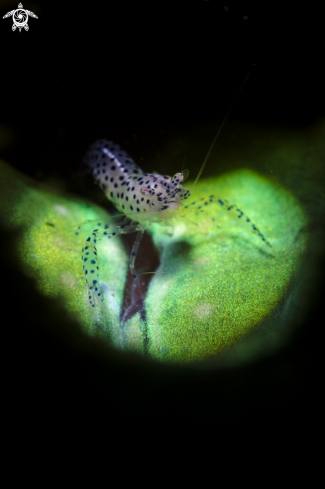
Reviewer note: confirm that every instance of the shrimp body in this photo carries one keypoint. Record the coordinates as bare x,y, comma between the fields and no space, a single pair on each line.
142,197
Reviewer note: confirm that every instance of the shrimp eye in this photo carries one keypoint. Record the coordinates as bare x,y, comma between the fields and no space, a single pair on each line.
179,176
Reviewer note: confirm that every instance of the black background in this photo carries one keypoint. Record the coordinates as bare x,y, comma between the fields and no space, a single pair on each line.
138,73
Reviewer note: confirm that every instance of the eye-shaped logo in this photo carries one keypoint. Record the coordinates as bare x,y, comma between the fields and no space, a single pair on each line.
20,18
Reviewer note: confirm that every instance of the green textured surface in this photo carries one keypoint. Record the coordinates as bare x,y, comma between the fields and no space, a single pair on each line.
51,251
219,281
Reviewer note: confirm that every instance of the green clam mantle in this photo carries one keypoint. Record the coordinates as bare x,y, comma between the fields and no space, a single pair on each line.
218,281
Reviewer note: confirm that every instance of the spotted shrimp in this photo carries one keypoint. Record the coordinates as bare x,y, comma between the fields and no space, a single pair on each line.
143,198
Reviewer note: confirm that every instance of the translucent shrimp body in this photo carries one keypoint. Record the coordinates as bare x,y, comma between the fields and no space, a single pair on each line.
142,197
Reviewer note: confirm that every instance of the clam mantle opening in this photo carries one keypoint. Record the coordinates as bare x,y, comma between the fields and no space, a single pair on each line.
217,284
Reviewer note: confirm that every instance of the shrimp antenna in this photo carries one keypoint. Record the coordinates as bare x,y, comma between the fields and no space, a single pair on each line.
220,128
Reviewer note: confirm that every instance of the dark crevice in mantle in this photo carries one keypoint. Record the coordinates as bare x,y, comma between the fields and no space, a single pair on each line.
135,290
